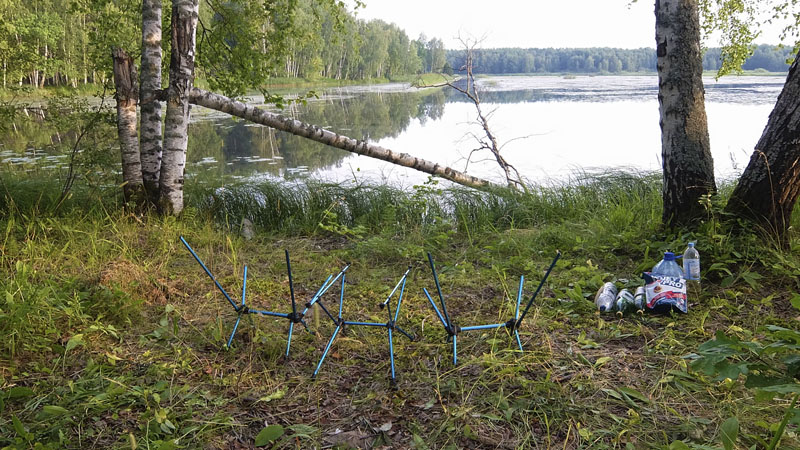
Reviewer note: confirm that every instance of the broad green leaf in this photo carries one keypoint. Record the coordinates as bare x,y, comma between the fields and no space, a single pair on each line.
18,427
602,360
783,388
268,435
796,301
74,341
678,445
760,381
613,393
635,394
731,371
302,430
20,392
54,410
167,445
795,416
729,432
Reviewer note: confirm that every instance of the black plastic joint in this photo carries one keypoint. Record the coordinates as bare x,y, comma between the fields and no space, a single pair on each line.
244,309
511,324
390,324
295,317
309,305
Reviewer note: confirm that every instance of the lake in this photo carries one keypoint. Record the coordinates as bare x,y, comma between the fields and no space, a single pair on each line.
553,129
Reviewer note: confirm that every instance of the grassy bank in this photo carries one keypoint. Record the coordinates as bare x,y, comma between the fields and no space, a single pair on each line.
115,337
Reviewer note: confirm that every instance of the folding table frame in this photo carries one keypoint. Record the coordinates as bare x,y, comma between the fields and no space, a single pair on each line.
390,325
512,325
293,317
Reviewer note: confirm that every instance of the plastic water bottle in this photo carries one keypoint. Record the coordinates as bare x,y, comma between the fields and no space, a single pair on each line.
605,297
668,266
691,263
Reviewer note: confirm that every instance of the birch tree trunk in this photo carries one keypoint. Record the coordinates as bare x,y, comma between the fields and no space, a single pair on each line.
685,147
127,95
235,108
151,139
769,187
181,73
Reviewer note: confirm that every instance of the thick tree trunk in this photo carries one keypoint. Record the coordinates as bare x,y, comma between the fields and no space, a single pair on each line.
685,148
181,74
127,96
150,139
769,186
224,104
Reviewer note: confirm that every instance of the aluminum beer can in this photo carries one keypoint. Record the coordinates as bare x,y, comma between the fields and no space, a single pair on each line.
624,301
640,299
605,297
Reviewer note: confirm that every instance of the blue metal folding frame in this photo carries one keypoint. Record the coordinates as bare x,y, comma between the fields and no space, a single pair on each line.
390,325
512,325
293,317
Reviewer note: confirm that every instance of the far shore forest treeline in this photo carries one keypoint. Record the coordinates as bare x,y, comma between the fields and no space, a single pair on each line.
67,43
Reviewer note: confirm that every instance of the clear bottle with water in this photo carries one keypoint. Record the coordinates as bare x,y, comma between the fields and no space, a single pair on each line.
691,263
668,266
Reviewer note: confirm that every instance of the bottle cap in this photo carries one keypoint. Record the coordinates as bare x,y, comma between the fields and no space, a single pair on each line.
669,256
691,244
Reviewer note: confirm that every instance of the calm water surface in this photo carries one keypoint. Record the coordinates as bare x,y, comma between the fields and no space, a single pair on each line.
552,128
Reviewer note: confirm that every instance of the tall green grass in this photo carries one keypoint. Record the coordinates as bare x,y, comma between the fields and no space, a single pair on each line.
616,199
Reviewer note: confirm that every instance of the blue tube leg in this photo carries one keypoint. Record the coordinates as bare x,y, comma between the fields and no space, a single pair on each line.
244,284
291,284
541,283
438,314
341,298
438,288
519,296
516,311
208,272
455,351
233,333
317,295
289,340
484,327
391,352
327,348
410,337
400,298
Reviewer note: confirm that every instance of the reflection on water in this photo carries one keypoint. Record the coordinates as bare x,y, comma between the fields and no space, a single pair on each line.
553,127
232,147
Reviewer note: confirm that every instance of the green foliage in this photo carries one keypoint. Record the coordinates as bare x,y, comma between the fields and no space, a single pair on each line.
122,341
740,23
616,60
268,434
770,365
241,44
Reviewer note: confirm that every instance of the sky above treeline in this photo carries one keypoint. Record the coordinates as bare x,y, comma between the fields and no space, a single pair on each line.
527,23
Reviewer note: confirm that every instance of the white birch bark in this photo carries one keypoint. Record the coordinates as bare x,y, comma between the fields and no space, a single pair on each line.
235,108
127,94
151,137
176,137
685,147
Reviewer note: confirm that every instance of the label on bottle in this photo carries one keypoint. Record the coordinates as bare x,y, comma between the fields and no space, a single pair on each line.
691,269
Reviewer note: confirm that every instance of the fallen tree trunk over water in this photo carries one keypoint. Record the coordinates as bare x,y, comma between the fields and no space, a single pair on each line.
251,113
